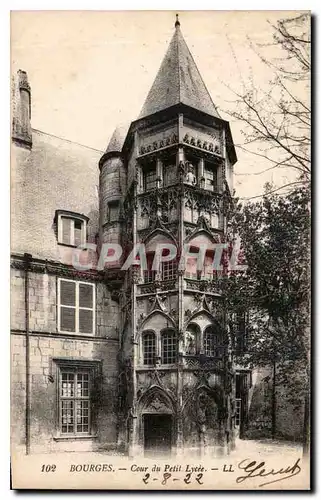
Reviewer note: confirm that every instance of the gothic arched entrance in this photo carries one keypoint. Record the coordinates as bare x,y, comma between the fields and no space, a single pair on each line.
156,423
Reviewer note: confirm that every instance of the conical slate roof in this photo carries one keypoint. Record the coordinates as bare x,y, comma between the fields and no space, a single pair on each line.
178,81
116,141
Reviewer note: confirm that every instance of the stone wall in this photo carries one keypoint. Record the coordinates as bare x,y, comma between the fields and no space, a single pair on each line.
46,345
289,418
43,389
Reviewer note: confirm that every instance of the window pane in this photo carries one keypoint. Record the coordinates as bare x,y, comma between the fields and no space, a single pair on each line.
67,416
74,401
66,230
86,295
78,240
170,176
67,385
82,390
169,270
212,343
210,178
67,293
149,273
85,321
82,416
150,179
149,347
68,319
169,348
208,270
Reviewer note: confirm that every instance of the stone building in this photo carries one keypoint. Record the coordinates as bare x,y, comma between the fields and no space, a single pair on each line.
140,359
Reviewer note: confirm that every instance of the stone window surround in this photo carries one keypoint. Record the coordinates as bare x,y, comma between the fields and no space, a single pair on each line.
94,368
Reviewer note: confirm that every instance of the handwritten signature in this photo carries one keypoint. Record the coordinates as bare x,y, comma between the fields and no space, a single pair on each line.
254,469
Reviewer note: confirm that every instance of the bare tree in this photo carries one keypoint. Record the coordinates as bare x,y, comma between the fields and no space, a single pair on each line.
277,121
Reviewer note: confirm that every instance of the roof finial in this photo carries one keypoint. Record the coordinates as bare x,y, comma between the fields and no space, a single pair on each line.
177,23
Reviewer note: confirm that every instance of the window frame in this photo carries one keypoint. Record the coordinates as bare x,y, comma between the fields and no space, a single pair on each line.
73,217
149,171
144,335
170,175
162,352
74,399
169,270
76,307
93,367
149,274
210,177
113,205
212,343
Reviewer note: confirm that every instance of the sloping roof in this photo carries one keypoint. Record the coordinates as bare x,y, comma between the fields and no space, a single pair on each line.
178,81
117,139
54,174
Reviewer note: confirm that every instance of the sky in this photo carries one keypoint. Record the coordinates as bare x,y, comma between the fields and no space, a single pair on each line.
91,70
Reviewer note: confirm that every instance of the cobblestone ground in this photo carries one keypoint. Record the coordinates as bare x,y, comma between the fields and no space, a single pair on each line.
266,448
250,447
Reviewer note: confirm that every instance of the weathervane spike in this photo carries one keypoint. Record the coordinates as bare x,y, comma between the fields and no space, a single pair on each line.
177,23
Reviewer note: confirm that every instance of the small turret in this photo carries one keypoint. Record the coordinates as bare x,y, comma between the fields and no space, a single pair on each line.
21,109
112,185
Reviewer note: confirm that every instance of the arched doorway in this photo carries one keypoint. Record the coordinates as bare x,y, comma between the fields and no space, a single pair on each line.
156,434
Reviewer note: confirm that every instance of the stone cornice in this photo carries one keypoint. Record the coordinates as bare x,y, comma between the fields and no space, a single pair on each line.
56,268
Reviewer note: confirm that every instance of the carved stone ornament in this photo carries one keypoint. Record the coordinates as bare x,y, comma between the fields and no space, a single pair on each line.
158,405
213,147
155,145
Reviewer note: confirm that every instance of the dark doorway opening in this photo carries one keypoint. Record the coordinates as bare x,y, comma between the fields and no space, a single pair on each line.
157,435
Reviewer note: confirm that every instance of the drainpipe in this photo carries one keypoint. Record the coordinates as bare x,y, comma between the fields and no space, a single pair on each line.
27,259
274,400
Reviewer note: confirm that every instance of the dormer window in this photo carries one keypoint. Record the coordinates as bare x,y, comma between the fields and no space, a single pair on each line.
71,228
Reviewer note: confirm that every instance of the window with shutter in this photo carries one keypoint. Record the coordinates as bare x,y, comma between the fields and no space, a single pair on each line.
76,307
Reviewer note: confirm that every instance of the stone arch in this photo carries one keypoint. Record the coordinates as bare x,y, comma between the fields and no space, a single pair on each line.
157,320
158,236
202,318
155,400
201,236
203,417
213,340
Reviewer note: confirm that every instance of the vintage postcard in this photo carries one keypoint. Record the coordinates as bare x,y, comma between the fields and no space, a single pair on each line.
160,250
